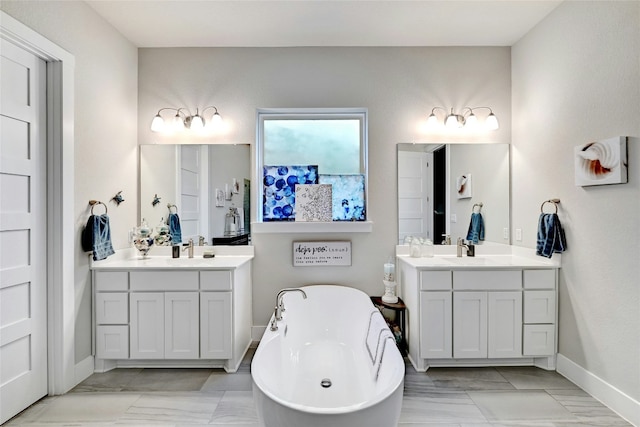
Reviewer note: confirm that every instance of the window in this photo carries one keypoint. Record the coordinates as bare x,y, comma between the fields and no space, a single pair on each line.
311,146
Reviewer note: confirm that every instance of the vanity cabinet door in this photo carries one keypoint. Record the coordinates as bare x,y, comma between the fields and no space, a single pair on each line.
147,325
504,324
469,325
216,326
181,329
435,325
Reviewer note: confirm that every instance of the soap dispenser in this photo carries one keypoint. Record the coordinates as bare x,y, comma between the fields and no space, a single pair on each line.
232,222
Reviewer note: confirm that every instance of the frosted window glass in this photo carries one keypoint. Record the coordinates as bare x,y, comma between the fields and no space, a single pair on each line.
333,145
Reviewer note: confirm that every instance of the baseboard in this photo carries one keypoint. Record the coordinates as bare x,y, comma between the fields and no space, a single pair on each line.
616,400
83,369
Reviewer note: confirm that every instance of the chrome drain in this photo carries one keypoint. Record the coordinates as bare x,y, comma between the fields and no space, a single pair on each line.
325,383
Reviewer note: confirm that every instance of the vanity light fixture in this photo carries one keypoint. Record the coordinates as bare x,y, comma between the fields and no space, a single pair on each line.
183,119
466,119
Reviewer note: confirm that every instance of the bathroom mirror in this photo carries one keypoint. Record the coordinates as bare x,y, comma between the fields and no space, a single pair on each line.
203,182
440,185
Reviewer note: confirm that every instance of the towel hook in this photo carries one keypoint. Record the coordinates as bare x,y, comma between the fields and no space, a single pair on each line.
93,203
479,205
553,201
169,205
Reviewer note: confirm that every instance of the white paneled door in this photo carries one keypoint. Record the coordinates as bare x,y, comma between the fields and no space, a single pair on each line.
415,194
23,287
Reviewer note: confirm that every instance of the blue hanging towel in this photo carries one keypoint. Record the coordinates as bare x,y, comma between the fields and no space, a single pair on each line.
551,238
476,228
96,237
174,228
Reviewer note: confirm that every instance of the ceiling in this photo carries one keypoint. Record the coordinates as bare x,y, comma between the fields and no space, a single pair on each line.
264,23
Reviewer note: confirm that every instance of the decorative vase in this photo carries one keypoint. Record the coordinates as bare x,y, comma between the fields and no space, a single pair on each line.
389,292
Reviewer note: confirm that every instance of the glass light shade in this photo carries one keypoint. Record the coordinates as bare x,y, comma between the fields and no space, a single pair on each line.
177,124
452,121
432,121
157,124
215,122
472,121
492,122
197,123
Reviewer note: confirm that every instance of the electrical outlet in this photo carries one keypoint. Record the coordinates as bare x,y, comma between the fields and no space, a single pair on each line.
505,233
454,218
519,234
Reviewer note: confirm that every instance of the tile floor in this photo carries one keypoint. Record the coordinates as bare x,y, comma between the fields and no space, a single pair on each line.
442,397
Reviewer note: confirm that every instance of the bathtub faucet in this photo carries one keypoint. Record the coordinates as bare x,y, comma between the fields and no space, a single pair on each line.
277,315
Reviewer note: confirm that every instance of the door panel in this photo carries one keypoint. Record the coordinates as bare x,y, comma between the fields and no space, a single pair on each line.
415,192
23,288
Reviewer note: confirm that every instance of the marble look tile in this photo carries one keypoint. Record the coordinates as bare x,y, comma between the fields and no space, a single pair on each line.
235,407
168,380
535,406
111,381
445,408
464,379
532,378
162,408
86,408
240,381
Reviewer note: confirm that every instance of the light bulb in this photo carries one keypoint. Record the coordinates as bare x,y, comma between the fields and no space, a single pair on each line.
492,122
157,125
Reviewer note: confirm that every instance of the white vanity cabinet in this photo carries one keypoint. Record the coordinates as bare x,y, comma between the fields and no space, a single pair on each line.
191,317
470,316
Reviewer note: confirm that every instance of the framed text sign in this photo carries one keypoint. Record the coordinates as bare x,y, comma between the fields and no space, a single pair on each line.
309,254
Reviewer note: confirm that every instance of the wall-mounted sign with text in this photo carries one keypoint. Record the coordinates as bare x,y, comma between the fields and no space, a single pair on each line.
309,254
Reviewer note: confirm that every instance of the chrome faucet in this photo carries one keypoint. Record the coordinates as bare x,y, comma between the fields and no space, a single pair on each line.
471,249
446,240
189,247
277,314
460,245
200,240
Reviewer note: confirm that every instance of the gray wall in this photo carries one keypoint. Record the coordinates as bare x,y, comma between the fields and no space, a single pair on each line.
399,86
576,78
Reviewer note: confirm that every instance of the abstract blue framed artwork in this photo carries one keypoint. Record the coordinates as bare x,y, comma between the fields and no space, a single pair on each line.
279,182
348,196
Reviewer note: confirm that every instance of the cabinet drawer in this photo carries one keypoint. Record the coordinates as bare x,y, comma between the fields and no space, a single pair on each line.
539,279
215,280
112,342
435,280
486,280
539,306
538,340
112,308
112,281
164,280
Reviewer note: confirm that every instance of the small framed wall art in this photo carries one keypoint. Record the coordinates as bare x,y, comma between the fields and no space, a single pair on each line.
601,162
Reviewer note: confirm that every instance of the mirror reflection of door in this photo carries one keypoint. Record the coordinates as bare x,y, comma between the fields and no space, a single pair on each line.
192,187
415,194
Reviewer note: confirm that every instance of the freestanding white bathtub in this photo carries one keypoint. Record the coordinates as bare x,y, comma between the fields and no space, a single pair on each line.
332,362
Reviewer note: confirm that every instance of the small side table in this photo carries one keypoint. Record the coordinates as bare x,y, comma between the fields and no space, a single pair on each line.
400,309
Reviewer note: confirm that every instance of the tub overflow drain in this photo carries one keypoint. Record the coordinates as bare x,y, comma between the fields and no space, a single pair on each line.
325,383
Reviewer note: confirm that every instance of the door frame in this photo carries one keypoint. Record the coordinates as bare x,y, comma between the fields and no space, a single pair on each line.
60,199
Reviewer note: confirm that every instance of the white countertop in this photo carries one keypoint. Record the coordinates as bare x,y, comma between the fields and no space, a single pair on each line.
226,257
492,256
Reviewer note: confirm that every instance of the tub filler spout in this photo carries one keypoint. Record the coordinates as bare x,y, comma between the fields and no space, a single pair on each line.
277,314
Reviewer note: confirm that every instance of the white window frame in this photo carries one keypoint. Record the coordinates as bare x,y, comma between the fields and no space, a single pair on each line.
263,114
